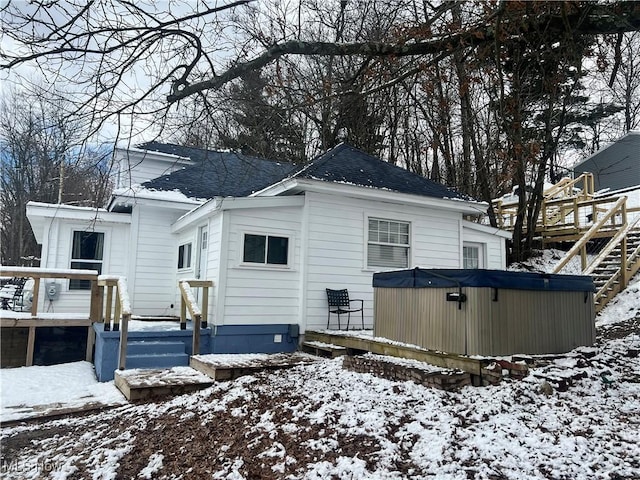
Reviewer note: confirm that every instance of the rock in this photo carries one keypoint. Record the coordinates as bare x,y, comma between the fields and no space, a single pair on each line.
545,388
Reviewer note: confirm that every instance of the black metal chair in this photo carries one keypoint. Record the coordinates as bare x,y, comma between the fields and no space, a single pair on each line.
339,303
11,294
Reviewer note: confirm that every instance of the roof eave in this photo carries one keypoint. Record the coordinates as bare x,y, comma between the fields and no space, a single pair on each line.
233,203
487,229
295,185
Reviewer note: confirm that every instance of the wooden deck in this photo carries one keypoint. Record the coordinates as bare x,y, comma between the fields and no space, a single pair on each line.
358,344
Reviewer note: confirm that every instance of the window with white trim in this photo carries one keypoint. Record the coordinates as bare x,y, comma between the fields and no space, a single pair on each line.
265,249
388,244
86,254
184,256
472,256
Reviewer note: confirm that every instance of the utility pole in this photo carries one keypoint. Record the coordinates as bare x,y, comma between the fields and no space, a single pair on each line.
61,181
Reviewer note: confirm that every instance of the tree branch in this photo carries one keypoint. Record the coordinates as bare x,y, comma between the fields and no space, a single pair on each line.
597,19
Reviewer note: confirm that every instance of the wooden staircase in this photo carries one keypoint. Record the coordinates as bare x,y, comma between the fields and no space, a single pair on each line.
571,214
615,266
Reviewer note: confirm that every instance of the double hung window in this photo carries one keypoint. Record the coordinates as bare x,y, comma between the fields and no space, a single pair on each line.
86,254
388,244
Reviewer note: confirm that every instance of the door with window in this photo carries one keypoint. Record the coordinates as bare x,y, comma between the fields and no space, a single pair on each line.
473,255
201,257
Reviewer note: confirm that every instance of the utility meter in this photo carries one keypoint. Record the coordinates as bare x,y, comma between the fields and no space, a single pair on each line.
53,290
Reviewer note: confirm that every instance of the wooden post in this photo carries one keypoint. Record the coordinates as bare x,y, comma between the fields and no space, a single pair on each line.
109,307
623,264
196,335
124,332
183,313
36,292
583,257
95,311
31,343
205,306
91,339
117,313
576,217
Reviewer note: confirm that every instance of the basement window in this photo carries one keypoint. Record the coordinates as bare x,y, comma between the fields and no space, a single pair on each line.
265,250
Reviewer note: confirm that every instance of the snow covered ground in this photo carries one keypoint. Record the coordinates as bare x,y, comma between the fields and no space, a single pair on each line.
29,392
321,421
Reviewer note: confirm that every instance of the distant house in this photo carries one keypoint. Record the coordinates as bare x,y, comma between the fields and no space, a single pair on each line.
272,236
616,167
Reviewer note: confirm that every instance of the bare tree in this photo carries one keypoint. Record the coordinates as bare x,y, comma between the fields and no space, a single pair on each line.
42,159
335,66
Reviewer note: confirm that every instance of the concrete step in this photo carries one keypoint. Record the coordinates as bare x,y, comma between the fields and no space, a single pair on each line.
154,348
158,361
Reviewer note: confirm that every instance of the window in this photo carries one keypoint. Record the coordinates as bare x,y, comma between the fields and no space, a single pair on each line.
184,256
388,244
472,256
86,254
265,249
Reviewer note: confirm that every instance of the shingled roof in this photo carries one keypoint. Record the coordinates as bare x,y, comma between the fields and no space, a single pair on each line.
234,174
347,164
215,173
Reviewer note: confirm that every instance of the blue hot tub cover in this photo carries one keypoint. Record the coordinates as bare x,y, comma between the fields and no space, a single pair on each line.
447,278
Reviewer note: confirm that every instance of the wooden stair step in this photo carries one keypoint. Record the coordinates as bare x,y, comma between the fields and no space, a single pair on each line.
323,349
231,366
139,384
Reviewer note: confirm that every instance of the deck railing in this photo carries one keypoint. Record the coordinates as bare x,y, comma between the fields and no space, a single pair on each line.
198,315
34,319
554,210
567,216
580,247
121,312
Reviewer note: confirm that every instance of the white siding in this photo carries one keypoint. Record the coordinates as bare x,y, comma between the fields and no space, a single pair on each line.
494,247
57,254
261,295
337,248
154,287
213,264
137,168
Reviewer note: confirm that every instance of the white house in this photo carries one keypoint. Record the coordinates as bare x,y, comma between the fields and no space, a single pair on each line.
272,236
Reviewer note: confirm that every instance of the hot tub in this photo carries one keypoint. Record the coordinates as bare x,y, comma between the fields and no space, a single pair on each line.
484,312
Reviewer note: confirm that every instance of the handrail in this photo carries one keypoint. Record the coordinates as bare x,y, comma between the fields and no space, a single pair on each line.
38,274
188,302
580,244
612,244
630,260
122,311
567,183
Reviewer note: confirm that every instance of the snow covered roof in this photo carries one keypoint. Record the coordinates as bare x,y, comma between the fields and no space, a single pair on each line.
217,173
347,164
231,174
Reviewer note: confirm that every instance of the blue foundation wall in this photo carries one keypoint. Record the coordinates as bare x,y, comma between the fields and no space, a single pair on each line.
274,338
